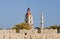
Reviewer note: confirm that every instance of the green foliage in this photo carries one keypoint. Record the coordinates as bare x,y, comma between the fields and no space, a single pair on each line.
25,26
1,28
47,28
22,26
53,27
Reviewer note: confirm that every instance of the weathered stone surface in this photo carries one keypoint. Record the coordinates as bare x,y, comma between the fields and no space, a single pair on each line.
30,34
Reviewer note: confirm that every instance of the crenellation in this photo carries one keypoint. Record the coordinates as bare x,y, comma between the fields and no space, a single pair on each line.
30,34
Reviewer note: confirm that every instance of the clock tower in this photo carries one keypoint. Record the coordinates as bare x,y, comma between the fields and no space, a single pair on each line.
29,17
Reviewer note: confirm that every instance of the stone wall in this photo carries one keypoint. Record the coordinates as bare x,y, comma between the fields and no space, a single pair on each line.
30,34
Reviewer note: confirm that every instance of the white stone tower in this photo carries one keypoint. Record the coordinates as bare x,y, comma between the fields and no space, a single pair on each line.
29,17
42,21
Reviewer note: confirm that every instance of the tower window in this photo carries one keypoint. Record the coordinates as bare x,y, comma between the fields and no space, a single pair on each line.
30,21
30,17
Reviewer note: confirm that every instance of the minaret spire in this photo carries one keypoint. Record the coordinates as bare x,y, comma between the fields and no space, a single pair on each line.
42,21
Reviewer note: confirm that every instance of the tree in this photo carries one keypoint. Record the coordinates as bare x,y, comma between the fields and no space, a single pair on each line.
25,26
22,26
54,27
59,26
1,28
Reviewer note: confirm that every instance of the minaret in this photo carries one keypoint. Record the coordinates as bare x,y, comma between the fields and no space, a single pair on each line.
29,17
42,21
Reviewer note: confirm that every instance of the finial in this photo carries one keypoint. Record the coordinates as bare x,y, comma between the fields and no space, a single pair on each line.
28,10
42,14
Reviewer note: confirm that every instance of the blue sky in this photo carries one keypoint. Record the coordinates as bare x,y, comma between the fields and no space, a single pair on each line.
13,12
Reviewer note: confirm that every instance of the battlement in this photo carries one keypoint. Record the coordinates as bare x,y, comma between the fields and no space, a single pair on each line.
29,34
